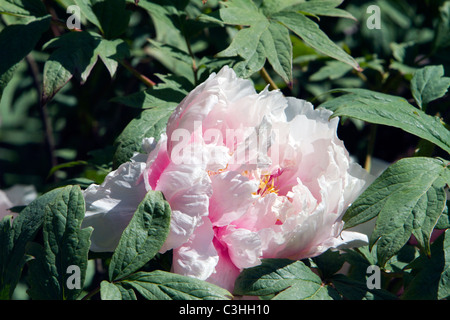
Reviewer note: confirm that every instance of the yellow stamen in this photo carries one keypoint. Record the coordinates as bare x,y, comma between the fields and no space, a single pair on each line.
267,185
213,173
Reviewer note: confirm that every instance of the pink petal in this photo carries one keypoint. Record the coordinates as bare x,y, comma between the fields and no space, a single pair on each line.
198,256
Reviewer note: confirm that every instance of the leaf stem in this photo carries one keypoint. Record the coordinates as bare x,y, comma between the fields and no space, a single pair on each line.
43,111
191,53
137,74
91,294
265,75
54,27
60,23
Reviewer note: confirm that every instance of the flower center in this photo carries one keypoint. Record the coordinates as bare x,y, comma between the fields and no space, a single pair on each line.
267,184
213,173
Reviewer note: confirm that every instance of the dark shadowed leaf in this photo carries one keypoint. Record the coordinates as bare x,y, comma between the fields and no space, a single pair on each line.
16,42
282,279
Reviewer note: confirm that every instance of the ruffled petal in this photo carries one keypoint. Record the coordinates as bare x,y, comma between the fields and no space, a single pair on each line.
244,246
198,256
232,196
226,272
5,205
111,205
187,188
349,239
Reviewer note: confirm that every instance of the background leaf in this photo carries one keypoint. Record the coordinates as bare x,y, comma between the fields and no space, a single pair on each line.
16,42
23,8
428,84
109,16
323,8
74,56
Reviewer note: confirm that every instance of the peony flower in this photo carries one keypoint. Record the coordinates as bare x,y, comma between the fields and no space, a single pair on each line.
17,195
247,175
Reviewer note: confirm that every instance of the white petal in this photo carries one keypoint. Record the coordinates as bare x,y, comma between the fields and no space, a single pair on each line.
5,205
244,246
197,257
225,272
350,239
232,195
111,205
17,195
21,195
187,188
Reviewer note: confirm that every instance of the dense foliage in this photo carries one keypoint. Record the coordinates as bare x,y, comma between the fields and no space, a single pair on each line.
76,103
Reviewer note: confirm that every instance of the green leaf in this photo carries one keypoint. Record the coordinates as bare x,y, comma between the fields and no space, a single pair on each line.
444,220
150,123
143,237
109,291
172,51
428,84
162,285
6,247
352,289
154,98
109,16
427,212
111,52
241,13
246,44
267,34
389,110
14,240
24,8
16,42
67,165
166,17
329,263
75,56
283,278
278,50
444,281
408,197
323,8
310,32
126,294
442,34
264,39
431,274
332,70
64,245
